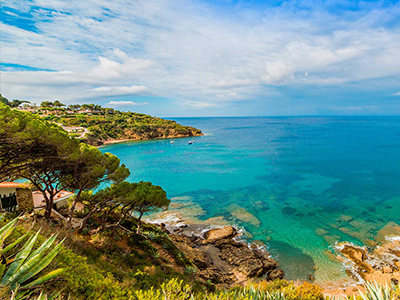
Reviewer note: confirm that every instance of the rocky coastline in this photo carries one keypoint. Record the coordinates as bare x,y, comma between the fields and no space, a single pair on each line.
221,257
380,264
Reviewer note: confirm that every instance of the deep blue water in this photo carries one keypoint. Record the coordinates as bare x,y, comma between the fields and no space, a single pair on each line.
297,183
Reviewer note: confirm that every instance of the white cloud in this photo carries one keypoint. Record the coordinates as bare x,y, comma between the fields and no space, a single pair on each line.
198,104
183,50
122,90
122,66
126,103
396,94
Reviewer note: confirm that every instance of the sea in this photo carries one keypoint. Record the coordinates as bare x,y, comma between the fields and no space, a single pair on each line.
300,185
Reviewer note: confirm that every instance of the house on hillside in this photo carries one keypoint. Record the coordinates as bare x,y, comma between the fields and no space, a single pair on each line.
19,196
73,129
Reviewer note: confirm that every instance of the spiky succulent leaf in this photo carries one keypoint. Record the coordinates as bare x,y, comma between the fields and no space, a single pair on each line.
12,245
44,278
38,265
6,230
19,260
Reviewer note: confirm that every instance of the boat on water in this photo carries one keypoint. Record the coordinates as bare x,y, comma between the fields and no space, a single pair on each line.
190,142
171,142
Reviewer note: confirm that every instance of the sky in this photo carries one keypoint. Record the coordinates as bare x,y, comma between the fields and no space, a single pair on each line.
205,57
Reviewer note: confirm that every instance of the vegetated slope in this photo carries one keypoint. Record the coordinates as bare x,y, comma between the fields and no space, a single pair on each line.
116,264
112,264
108,124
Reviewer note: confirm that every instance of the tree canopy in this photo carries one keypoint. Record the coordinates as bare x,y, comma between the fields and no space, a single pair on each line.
44,154
126,198
13,103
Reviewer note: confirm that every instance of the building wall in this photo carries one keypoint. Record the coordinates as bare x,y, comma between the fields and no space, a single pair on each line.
7,191
24,199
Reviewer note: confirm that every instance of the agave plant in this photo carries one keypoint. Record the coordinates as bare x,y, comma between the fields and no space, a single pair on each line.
374,291
17,272
24,296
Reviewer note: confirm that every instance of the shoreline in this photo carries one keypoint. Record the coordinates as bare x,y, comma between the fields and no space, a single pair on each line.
180,218
119,141
221,254
180,224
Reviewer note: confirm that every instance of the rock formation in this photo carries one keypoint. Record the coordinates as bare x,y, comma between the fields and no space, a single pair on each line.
382,264
222,260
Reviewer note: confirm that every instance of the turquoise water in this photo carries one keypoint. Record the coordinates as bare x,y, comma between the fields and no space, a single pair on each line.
299,184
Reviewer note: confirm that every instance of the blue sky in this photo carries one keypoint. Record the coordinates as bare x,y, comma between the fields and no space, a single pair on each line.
205,58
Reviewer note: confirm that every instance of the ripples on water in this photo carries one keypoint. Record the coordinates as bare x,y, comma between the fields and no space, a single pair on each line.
298,184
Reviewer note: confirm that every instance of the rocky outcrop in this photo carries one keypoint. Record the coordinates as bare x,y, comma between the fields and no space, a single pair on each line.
218,234
381,265
252,263
222,260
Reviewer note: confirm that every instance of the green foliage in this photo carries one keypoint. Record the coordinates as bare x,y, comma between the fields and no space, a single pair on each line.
87,281
26,263
374,291
179,290
14,103
106,123
50,159
121,200
146,197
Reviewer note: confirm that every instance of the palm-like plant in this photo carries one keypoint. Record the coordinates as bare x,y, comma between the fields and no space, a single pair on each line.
17,272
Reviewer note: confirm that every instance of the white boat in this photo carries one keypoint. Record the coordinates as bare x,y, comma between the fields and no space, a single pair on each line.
190,142
171,142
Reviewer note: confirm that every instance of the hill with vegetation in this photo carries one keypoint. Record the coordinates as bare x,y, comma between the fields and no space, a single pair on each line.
96,124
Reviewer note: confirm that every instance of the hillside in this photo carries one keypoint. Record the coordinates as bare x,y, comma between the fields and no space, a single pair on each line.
108,124
96,125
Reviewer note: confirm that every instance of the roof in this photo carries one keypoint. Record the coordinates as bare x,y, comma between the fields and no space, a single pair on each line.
8,184
39,201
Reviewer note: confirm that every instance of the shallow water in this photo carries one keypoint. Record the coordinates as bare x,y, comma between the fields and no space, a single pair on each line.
297,183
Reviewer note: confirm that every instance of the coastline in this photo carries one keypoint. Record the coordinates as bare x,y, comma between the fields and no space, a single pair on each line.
184,219
118,141
219,251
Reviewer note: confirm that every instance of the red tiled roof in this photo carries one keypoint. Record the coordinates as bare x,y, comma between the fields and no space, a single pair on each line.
12,184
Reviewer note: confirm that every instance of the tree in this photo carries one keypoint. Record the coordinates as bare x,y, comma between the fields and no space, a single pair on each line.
125,199
44,154
14,103
48,173
74,107
102,201
146,198
25,139
46,104
58,104
35,150
88,168
4,100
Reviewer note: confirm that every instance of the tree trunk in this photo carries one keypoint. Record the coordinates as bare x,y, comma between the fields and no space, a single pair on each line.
85,219
72,208
49,206
138,225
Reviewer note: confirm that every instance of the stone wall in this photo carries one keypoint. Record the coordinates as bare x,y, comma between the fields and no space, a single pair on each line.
24,199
